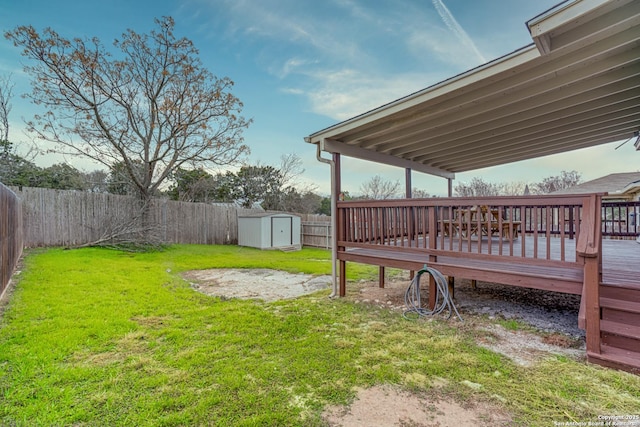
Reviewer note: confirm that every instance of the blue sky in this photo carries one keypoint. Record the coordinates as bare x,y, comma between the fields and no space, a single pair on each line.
301,65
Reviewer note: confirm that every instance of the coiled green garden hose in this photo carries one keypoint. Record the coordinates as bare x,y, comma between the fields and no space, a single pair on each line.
444,301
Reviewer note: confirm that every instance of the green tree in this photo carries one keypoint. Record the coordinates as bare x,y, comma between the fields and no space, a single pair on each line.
325,207
273,188
148,105
257,184
17,171
224,187
62,176
193,185
96,181
306,202
119,182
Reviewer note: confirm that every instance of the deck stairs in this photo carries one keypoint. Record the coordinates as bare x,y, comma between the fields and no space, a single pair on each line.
619,328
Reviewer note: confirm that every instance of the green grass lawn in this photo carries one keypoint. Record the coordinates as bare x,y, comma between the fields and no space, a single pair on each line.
102,337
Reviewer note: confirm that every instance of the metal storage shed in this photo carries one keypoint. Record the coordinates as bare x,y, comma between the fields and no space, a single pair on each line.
269,230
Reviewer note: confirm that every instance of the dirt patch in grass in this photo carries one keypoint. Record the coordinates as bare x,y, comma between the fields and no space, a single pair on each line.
264,284
483,308
388,406
524,348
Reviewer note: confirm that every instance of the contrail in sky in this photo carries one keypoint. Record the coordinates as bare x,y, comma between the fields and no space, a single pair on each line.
453,25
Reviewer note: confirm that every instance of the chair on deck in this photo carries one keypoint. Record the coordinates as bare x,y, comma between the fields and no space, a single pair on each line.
479,221
493,225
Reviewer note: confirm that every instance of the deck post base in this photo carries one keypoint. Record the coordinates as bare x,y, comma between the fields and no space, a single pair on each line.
343,278
451,285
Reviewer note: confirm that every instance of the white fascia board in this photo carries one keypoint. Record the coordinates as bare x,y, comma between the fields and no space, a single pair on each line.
632,187
561,15
564,17
331,146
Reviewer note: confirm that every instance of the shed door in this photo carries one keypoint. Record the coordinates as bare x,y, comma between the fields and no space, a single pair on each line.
281,233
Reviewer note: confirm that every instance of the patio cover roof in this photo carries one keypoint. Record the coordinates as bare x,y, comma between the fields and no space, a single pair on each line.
576,86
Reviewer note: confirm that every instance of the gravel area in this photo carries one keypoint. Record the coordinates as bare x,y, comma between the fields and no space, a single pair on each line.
544,310
554,316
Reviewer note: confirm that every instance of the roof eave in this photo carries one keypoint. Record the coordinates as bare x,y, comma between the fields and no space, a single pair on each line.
485,71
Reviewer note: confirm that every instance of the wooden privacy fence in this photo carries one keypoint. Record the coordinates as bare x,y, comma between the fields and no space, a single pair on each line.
316,231
72,218
11,235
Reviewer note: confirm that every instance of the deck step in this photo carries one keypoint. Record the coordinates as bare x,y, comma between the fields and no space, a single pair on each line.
616,358
618,301
292,248
622,329
622,305
625,292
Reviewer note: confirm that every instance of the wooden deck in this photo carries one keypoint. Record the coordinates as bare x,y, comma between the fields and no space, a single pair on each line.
558,247
620,262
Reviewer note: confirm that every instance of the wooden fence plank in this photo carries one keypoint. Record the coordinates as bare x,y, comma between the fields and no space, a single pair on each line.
71,218
11,235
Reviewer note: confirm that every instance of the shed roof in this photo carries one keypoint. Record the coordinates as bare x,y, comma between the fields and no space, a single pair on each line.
576,86
266,214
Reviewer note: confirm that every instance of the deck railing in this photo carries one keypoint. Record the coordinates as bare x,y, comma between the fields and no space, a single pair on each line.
549,242
499,226
554,220
621,219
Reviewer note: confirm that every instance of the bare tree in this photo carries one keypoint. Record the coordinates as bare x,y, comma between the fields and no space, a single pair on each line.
6,92
379,188
566,179
419,193
290,168
515,188
15,169
152,109
290,188
477,188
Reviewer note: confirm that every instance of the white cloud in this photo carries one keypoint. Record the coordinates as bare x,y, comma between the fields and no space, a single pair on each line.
292,65
346,93
293,91
354,57
459,32
434,45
